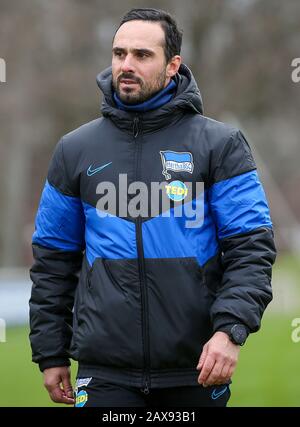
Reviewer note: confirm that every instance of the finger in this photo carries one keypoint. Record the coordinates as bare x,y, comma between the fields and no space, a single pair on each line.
67,400
67,386
231,369
202,357
58,396
206,370
225,373
215,374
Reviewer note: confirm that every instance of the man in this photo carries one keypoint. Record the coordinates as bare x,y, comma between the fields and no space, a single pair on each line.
161,306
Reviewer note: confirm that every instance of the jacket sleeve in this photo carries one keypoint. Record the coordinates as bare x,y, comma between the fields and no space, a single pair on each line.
58,243
244,228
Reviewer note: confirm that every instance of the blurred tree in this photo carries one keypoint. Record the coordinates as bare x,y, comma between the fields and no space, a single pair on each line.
240,52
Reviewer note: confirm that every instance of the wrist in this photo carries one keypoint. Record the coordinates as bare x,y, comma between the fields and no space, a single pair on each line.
236,332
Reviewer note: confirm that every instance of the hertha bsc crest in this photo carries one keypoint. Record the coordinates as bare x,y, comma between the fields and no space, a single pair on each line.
176,162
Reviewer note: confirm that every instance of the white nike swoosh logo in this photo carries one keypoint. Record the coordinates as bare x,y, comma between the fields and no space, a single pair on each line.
91,171
215,395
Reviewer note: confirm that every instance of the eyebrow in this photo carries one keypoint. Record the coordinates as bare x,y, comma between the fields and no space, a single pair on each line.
144,50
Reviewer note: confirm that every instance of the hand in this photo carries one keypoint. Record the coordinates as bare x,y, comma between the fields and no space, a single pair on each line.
58,383
218,360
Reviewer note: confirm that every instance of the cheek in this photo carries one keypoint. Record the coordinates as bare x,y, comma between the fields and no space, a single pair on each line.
115,67
150,74
155,71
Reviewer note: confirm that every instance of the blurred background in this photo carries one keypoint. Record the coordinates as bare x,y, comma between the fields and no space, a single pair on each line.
240,52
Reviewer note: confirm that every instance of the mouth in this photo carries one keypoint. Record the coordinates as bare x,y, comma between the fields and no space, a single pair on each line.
128,82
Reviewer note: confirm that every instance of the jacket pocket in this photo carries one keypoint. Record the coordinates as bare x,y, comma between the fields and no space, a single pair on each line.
213,274
78,308
111,277
179,300
109,316
89,277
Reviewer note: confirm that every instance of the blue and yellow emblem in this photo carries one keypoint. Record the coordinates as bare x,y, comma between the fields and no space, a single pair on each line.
81,399
176,190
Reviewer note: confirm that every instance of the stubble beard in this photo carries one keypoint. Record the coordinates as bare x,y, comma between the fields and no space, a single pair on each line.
145,92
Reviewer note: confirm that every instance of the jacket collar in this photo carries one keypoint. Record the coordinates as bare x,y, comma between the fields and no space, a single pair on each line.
187,99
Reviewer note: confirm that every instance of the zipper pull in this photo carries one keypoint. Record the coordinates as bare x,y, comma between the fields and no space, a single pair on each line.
135,126
146,389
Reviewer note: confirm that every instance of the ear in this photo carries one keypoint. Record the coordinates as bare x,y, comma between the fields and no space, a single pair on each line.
173,66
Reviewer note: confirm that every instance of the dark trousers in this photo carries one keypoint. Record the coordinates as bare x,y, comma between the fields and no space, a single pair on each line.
101,393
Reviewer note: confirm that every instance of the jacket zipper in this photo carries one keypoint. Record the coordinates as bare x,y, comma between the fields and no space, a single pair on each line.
141,264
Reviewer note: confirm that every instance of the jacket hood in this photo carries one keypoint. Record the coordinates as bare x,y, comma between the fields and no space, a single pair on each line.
187,99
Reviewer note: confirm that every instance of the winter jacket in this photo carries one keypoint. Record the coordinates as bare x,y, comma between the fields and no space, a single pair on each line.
134,298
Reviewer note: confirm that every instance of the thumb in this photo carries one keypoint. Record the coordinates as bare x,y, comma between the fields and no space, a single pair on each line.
202,357
67,386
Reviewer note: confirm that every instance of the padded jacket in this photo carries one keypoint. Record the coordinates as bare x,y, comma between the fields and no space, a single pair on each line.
133,298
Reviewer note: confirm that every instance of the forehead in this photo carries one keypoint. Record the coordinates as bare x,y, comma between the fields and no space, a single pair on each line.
140,34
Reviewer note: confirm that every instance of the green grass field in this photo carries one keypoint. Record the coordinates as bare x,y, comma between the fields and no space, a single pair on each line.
267,373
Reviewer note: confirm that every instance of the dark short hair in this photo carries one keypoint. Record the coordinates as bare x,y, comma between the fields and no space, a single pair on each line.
173,35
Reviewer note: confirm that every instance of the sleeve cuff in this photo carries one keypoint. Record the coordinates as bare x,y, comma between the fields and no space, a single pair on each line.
224,322
53,362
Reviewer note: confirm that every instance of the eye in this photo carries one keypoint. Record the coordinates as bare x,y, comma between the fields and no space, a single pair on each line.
142,55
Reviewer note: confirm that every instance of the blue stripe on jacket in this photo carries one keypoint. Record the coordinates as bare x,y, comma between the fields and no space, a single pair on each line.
239,205
112,237
233,206
169,237
59,221
108,236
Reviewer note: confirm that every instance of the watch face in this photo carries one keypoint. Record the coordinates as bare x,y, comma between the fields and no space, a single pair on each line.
239,334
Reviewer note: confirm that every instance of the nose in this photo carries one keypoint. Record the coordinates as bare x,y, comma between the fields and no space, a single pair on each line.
127,65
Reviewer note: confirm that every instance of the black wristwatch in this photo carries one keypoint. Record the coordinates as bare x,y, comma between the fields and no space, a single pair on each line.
237,333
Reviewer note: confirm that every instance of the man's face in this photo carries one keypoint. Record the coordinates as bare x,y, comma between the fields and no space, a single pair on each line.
139,66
